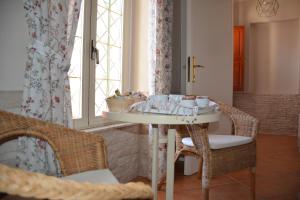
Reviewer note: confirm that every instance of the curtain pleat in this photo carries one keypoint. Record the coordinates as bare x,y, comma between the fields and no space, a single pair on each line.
52,26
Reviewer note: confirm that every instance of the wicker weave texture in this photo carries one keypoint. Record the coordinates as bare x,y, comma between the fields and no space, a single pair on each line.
220,161
182,132
28,184
76,151
244,124
232,159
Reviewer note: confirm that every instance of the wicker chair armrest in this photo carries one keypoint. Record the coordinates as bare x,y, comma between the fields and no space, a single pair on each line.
245,125
181,132
75,150
28,184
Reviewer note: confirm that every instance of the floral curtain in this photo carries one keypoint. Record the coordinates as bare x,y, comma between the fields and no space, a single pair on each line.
160,63
52,26
160,34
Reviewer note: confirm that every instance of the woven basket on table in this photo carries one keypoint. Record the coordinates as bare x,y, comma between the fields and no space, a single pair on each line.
121,104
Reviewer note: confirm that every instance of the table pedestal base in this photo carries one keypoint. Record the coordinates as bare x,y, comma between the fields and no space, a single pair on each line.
170,161
155,136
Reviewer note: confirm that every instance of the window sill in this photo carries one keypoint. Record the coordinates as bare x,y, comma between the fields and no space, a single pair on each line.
108,127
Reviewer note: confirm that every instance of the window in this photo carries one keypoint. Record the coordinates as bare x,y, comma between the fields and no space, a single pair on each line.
109,37
99,62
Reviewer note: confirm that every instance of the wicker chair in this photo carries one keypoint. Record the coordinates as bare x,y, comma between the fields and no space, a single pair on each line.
215,161
76,152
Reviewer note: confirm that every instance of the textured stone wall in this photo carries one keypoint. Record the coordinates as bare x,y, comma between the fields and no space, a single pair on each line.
144,151
127,151
276,113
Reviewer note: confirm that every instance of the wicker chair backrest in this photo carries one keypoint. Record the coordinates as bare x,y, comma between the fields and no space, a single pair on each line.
244,124
76,151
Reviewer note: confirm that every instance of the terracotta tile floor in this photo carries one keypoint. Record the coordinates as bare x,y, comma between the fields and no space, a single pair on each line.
277,175
277,178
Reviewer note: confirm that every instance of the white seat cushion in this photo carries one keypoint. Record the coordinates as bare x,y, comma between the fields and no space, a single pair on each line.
221,141
101,176
8,153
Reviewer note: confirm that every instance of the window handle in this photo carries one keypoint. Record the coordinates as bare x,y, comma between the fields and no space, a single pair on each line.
189,69
94,53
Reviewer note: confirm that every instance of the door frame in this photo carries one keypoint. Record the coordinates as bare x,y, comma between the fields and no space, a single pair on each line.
183,54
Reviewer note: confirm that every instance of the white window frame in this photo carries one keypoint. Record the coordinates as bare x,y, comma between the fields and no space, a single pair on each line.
88,119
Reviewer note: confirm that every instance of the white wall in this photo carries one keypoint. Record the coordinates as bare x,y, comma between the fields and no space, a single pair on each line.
245,14
13,41
275,56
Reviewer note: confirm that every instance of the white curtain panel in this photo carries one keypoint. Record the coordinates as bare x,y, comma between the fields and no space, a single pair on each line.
52,26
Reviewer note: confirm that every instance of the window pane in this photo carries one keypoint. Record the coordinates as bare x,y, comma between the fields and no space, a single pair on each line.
115,63
100,95
109,39
112,86
102,25
76,97
75,71
117,6
101,68
115,32
104,3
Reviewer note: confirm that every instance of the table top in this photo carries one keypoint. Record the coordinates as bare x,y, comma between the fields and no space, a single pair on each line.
151,118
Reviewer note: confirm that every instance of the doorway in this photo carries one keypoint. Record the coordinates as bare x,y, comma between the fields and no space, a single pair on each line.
274,56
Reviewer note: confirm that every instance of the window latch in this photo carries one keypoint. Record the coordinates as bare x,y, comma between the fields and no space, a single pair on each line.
94,53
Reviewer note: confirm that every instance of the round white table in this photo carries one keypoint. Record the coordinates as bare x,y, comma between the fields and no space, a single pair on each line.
161,119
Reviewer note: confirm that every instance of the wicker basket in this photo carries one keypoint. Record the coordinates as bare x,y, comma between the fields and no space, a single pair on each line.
121,104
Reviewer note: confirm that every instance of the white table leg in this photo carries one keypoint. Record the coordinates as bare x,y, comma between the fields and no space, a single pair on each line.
155,136
170,163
